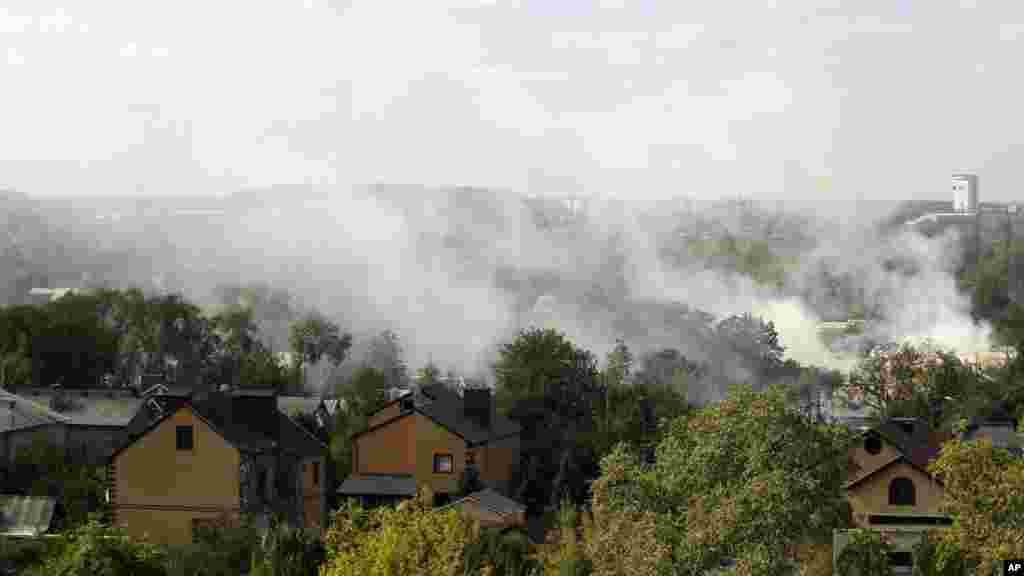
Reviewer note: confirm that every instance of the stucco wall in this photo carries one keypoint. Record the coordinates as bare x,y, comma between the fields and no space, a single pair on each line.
499,460
157,487
433,439
872,495
388,450
169,527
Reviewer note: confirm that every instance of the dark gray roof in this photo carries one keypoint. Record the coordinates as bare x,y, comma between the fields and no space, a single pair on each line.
378,485
25,515
493,502
249,421
19,412
445,407
97,408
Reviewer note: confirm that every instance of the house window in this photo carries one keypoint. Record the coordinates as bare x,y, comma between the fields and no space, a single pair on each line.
470,458
872,444
901,492
442,463
184,437
316,473
442,498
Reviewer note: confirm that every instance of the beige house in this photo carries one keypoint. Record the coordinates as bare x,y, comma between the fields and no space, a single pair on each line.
224,453
892,490
429,438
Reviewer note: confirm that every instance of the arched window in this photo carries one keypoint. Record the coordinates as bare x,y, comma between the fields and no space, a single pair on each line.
901,492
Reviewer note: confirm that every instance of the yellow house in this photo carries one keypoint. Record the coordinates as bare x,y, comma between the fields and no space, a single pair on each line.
892,490
222,453
429,438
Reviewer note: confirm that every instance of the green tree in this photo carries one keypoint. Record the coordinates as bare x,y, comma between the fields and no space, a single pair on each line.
552,388
314,337
983,495
387,356
362,395
429,375
746,479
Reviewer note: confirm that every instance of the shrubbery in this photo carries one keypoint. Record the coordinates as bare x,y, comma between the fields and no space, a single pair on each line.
410,539
97,550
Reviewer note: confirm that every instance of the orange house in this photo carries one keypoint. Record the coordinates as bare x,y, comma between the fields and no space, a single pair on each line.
429,438
220,453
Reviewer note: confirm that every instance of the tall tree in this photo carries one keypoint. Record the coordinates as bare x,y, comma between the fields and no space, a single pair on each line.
315,337
744,479
386,355
983,495
552,388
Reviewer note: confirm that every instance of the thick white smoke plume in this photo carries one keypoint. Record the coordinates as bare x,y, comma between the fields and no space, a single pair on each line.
455,273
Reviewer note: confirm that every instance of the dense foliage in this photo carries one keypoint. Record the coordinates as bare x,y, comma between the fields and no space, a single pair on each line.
743,479
984,494
97,550
69,476
410,539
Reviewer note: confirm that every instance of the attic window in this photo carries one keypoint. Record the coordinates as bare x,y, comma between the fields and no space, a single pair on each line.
184,437
872,444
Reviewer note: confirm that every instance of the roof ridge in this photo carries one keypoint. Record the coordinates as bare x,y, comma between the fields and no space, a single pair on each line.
44,409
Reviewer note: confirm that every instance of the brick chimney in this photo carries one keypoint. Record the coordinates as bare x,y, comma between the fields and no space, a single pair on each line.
477,406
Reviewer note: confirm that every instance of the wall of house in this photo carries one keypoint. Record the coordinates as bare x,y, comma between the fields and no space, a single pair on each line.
387,450
872,496
164,526
868,462
159,489
385,414
434,439
497,462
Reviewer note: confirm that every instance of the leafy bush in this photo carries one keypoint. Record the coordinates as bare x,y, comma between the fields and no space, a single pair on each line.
97,550
497,553
410,539
222,549
46,469
289,551
867,554
934,556
17,556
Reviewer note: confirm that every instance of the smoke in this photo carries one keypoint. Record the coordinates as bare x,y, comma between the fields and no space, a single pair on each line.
457,272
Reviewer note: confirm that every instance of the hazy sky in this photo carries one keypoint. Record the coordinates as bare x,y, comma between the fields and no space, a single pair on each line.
644,98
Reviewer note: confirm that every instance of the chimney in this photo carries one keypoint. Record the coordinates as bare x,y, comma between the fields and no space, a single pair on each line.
477,406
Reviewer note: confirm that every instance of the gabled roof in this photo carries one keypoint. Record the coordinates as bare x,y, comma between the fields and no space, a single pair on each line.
491,501
378,485
25,515
445,408
250,423
17,412
892,463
